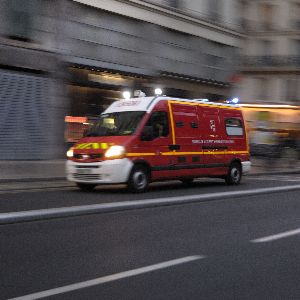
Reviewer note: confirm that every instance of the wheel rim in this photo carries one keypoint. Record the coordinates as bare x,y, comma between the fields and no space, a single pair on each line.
235,174
139,179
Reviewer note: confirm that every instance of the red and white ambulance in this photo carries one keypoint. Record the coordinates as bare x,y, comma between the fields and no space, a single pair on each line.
141,140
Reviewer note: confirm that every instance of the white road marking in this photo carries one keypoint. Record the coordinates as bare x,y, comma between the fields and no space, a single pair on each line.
109,278
287,178
52,213
276,236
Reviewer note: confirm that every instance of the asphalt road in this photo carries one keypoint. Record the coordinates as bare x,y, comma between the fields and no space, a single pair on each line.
207,250
40,195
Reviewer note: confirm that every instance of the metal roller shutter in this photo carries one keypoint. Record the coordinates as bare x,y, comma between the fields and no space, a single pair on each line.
24,117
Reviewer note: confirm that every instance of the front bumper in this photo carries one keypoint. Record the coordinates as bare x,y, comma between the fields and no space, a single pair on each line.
105,172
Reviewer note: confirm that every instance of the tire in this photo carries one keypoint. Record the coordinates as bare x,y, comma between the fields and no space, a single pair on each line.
234,174
86,187
138,180
187,181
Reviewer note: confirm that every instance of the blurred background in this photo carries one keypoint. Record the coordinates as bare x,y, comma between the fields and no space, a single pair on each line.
63,62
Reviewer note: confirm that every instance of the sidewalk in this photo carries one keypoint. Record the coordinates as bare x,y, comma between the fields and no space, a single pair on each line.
36,170
54,170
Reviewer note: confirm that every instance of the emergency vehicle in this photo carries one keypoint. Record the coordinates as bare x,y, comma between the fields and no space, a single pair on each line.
140,140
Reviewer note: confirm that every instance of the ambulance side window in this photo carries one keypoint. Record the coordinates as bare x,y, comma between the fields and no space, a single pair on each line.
159,122
234,127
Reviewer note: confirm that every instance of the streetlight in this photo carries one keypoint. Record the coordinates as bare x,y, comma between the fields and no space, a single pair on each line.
126,95
158,91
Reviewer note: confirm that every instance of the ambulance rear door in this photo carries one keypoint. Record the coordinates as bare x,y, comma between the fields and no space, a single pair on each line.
236,135
186,139
214,145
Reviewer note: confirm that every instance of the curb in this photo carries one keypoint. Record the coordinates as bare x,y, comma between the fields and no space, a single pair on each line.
35,179
43,179
274,173
73,211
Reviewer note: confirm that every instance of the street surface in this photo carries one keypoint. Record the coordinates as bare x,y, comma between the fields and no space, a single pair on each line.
49,194
244,247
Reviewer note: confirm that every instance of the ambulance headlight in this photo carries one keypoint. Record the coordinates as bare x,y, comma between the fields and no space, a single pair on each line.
70,152
114,152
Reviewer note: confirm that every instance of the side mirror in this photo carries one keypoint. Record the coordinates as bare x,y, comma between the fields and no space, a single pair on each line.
147,133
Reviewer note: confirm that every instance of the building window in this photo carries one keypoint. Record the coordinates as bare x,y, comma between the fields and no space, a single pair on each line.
291,89
215,10
295,47
267,47
295,13
262,88
173,3
267,16
19,18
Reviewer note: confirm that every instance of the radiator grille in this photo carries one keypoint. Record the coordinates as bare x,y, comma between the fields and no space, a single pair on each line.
87,177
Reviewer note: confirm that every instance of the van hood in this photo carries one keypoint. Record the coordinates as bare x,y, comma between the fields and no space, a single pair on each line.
92,149
100,144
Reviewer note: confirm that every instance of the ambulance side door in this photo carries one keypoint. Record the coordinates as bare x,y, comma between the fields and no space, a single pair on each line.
186,140
157,143
213,142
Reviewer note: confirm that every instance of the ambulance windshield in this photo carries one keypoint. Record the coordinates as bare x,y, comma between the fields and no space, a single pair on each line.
117,123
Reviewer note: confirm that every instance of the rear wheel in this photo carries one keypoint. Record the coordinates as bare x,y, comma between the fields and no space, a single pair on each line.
85,187
234,174
139,179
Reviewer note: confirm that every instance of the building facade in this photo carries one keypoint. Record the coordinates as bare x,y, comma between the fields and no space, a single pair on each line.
63,60
270,64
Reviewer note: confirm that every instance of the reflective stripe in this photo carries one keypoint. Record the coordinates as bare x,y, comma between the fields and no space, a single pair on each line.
206,105
180,153
93,146
140,154
205,153
188,153
172,122
236,152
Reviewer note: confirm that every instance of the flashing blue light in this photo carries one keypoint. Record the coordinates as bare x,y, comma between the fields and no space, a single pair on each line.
235,100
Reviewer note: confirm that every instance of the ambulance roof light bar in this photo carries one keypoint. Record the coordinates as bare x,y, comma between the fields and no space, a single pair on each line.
202,100
139,93
233,101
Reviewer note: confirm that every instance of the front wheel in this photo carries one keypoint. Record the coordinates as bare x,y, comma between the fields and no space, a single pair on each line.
234,174
138,180
86,187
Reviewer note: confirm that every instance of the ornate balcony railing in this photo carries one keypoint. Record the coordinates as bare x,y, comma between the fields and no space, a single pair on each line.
271,61
215,18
